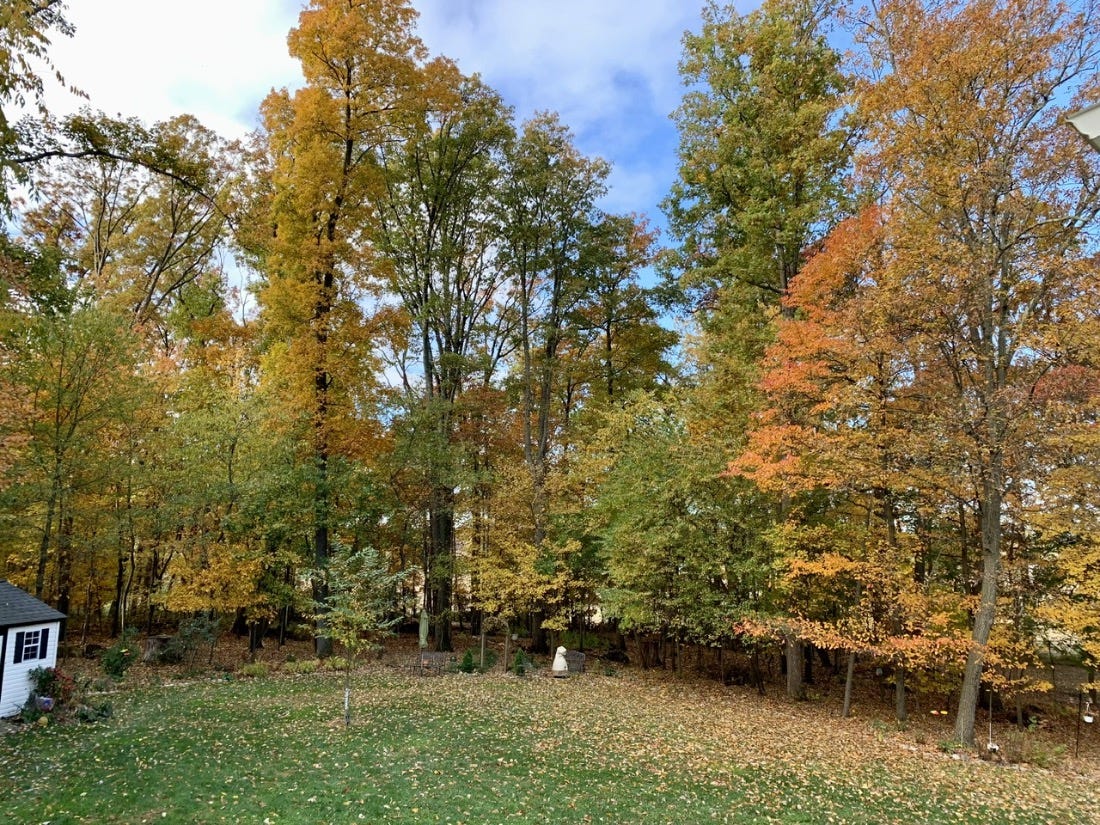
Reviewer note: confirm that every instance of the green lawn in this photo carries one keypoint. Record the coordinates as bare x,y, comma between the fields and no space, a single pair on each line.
488,749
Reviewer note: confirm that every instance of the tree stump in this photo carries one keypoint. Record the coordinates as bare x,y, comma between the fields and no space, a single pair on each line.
153,647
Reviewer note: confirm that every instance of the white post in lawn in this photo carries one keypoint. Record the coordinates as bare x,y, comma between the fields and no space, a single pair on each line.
347,699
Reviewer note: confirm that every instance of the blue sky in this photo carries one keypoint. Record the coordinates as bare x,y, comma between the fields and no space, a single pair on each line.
608,67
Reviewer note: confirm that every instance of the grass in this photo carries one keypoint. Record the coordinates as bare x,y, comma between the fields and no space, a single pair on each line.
489,749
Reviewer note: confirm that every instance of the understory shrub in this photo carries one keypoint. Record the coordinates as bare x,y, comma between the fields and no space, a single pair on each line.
304,666
1024,746
119,656
588,641
521,664
52,682
254,670
69,700
196,634
95,712
30,712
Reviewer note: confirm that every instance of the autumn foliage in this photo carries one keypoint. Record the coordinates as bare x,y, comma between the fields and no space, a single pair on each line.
876,435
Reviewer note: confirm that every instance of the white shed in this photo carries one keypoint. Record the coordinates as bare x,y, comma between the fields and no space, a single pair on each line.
29,631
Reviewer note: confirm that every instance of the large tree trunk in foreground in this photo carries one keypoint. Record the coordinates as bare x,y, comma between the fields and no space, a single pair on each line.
441,576
983,619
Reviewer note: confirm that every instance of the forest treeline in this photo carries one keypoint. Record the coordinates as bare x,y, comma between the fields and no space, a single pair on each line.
876,433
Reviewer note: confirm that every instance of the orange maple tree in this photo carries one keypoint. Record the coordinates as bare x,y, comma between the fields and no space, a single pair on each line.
924,327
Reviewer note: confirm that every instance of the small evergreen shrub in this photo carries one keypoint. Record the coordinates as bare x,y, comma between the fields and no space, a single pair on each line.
337,663
471,662
302,667
521,665
118,658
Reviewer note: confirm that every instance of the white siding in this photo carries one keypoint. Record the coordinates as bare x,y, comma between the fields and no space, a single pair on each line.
16,686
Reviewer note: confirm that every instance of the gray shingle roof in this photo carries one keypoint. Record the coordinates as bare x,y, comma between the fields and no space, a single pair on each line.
18,607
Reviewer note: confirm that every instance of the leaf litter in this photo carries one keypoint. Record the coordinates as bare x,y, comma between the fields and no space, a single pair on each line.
636,748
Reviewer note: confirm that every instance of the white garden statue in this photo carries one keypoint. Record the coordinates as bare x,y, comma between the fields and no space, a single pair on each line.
560,667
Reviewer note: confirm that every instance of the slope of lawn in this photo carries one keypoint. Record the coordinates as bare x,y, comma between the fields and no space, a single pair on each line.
488,749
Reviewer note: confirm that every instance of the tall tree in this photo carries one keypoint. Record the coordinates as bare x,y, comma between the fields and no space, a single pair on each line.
838,415
550,202
762,153
989,198
681,542
363,89
762,159
213,464
79,367
440,230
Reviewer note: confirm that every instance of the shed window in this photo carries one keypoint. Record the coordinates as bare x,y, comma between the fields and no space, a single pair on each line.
31,644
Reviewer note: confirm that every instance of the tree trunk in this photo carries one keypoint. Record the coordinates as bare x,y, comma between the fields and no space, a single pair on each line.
983,619
540,639
901,710
849,680
441,576
44,544
116,605
156,575
322,642
795,654
325,279
64,559
124,604
757,674
347,694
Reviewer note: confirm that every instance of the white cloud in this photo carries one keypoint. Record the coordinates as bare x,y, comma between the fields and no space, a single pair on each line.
608,67
563,54
153,59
